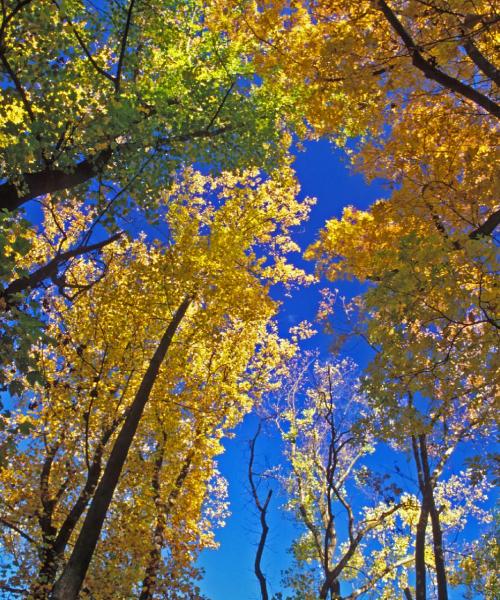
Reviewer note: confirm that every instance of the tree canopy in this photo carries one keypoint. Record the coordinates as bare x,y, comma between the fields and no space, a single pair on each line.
148,214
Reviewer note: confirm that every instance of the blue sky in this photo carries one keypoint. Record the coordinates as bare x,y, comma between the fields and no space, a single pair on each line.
323,173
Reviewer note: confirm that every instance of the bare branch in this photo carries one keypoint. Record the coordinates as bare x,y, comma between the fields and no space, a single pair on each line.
262,508
123,47
15,528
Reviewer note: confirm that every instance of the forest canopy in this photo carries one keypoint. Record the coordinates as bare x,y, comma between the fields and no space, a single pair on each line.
152,228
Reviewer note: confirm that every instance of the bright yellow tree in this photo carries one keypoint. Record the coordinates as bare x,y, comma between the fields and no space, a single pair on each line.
154,361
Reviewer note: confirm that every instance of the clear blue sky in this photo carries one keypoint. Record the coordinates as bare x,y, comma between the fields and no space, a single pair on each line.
324,173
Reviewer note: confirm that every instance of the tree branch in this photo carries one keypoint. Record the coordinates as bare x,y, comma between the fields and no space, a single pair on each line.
50,269
488,227
262,508
482,63
123,47
15,528
431,71
52,180
69,584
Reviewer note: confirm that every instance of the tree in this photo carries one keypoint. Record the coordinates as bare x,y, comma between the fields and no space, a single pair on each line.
122,93
113,377
477,568
427,316
261,506
416,81
324,478
430,311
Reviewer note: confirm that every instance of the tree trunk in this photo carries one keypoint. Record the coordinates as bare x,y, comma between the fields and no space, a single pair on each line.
52,180
420,572
55,547
330,589
437,533
69,584
264,527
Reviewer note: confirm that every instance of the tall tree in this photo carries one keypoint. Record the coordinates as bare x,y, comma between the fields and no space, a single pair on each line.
35,258
112,374
416,81
427,315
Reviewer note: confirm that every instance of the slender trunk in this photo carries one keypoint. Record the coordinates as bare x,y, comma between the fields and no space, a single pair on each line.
260,548
330,588
55,547
420,572
264,527
437,537
335,590
437,533
420,569
69,584
164,509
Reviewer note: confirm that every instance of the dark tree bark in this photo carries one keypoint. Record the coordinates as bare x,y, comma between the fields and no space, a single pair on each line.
488,227
149,581
70,582
481,61
437,533
407,594
420,568
52,180
50,269
431,71
264,527
428,509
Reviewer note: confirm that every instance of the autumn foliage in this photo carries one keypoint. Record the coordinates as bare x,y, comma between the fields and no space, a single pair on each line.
148,208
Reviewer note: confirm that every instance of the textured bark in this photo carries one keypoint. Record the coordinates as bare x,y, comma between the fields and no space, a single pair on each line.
51,180
437,533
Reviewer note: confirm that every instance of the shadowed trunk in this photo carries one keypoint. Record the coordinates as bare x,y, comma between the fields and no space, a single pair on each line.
428,508
55,547
52,180
437,533
420,569
264,527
